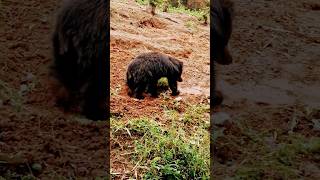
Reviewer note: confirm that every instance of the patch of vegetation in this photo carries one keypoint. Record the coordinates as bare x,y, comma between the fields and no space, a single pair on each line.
196,13
177,7
282,161
190,24
115,91
197,113
171,114
288,151
142,2
282,152
163,82
166,152
169,153
11,95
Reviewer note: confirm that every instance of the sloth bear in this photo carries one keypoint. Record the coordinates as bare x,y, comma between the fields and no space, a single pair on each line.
221,28
221,15
80,52
146,69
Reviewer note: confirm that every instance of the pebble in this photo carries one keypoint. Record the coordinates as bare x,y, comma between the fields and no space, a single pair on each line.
220,118
316,124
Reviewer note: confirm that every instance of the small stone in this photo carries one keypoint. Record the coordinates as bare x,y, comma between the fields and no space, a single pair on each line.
36,167
29,77
178,99
220,118
83,171
316,124
23,88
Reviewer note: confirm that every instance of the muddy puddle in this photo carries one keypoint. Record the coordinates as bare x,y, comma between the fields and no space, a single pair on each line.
274,92
195,90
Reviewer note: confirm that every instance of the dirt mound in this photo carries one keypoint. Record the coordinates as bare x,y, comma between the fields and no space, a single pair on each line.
119,43
152,23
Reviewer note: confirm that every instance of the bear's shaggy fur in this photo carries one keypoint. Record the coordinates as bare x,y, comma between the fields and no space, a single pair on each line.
221,28
146,69
221,15
80,55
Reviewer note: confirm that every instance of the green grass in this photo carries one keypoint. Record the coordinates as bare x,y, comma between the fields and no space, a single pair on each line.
196,13
196,114
181,9
279,152
283,161
14,96
142,2
168,153
190,24
171,150
115,91
163,82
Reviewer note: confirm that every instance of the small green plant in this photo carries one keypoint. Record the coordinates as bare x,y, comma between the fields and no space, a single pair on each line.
177,7
170,153
189,24
196,13
196,113
171,115
14,96
142,2
281,161
115,91
163,82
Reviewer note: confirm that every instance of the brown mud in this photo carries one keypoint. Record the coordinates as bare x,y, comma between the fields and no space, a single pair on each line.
272,87
274,77
37,138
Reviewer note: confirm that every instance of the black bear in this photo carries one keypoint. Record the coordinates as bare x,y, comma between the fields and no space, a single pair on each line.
146,69
221,28
221,15
80,55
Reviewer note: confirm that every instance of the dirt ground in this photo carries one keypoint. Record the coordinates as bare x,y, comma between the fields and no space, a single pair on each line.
273,85
274,76
270,88
133,31
37,138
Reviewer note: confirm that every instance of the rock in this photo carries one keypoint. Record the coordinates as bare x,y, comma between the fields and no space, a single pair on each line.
220,118
316,124
36,167
29,77
83,171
